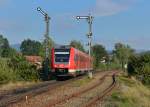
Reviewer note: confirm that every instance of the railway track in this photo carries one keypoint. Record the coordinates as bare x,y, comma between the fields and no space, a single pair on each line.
10,97
4,93
101,96
77,94
17,95
23,95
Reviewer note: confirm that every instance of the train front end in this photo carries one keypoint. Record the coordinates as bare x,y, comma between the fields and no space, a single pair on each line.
61,61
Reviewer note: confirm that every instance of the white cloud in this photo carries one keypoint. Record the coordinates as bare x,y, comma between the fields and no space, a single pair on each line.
110,7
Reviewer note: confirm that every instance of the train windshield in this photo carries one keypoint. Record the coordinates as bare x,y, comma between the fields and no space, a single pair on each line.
62,55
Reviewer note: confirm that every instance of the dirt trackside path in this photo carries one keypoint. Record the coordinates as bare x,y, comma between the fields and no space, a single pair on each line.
73,94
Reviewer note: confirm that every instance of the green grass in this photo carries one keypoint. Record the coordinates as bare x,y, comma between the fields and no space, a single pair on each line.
110,66
131,93
17,84
81,82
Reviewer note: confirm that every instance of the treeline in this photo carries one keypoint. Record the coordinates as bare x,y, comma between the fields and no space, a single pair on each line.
32,47
21,68
13,65
5,49
123,57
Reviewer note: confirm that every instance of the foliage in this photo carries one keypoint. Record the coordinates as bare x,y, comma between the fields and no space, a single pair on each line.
17,69
133,65
14,67
99,53
113,66
102,67
25,70
50,45
122,53
6,73
139,66
30,47
131,93
77,45
5,49
44,74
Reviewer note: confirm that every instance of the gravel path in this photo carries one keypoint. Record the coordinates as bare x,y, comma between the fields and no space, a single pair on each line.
84,98
44,99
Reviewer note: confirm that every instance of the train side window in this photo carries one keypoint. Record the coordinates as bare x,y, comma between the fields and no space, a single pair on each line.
76,57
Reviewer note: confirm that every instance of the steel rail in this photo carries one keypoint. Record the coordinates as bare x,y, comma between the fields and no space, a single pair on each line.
76,94
101,95
8,99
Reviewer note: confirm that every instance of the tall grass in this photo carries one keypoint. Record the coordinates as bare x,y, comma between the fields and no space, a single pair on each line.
130,94
108,66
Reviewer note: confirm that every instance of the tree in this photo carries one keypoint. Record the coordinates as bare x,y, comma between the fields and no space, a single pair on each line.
30,47
77,45
139,66
122,53
50,45
5,49
98,52
24,70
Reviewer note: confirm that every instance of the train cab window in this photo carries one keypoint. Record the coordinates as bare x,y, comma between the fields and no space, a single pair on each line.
62,56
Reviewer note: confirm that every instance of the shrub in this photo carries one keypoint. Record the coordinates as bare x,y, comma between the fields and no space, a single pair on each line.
25,70
17,69
139,66
6,73
114,66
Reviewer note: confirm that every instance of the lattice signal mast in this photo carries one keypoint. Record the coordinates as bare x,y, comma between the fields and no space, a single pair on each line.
89,19
47,18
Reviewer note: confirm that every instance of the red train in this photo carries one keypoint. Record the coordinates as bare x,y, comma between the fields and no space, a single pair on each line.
68,61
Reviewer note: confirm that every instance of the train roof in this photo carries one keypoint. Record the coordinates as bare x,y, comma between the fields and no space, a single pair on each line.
62,47
68,47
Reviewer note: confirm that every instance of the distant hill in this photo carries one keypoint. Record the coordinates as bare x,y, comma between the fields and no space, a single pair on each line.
138,51
16,46
141,51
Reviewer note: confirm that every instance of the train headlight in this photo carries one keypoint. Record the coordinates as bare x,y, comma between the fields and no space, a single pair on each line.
53,70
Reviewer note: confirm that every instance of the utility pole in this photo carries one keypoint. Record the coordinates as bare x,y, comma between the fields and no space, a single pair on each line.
89,19
46,63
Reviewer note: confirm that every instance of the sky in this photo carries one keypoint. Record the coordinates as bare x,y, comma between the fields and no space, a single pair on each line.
125,21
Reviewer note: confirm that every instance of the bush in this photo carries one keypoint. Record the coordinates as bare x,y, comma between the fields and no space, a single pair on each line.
6,73
25,70
114,66
133,65
102,67
139,66
17,69
108,66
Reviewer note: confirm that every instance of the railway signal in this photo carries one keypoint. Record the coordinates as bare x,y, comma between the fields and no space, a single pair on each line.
47,18
89,19
89,35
